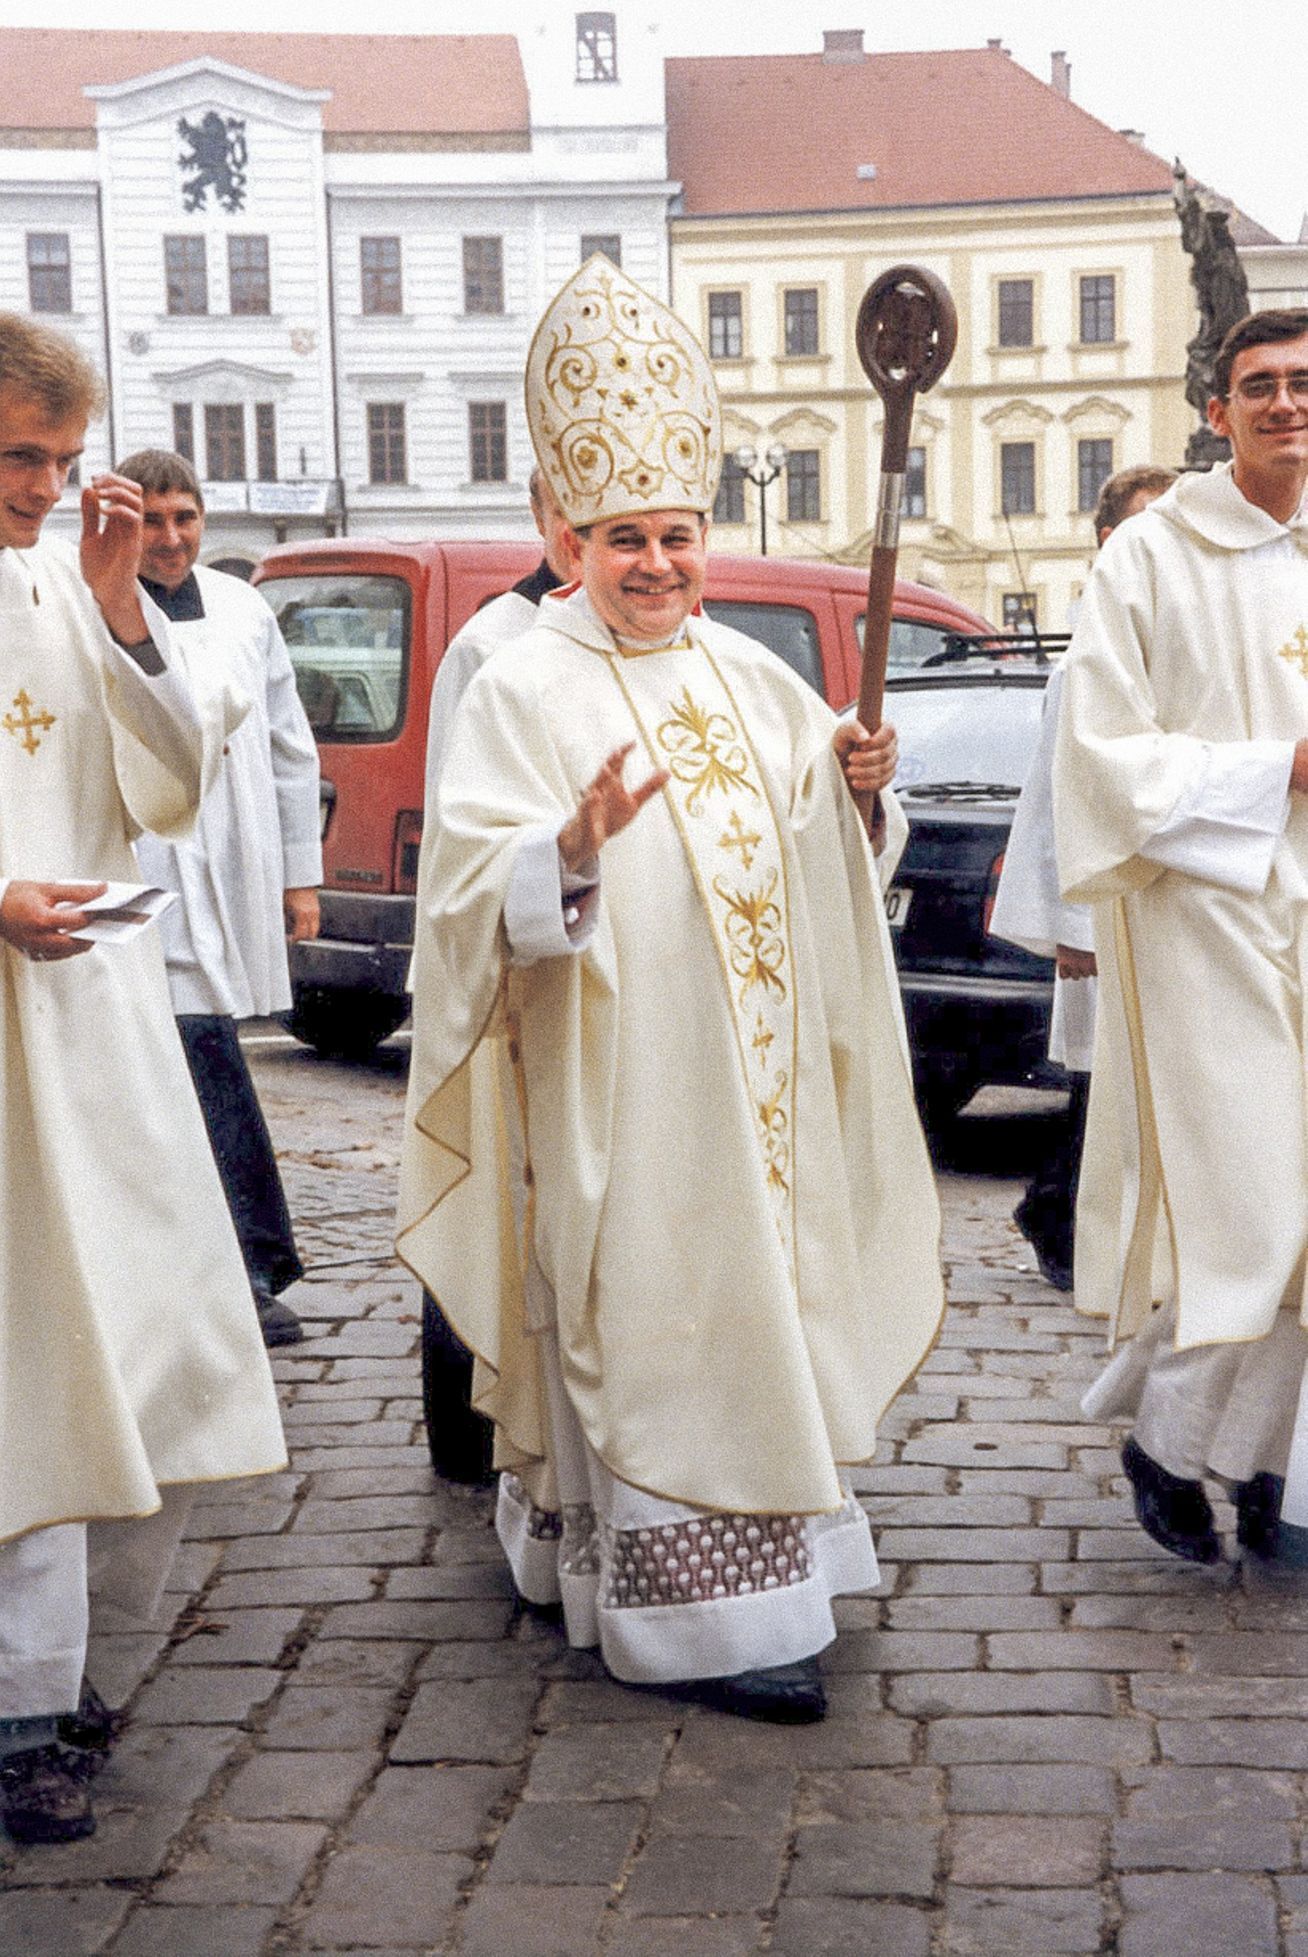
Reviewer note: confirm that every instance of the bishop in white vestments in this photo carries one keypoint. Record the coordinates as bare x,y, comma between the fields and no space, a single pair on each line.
662,1166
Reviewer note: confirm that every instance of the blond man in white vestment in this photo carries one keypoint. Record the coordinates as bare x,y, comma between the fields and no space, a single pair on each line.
133,1364
662,1167
1180,777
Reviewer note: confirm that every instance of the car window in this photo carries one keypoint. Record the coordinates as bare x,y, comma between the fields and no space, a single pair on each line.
977,734
348,637
911,642
790,631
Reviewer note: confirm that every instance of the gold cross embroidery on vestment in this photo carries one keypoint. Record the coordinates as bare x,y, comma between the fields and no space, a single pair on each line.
1295,649
24,723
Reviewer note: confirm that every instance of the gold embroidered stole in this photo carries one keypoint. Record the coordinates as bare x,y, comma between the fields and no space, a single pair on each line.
719,802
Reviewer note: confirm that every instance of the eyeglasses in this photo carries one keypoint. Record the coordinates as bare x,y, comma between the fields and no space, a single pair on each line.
1259,389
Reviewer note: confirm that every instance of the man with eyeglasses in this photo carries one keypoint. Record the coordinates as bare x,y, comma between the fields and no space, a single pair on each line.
1181,807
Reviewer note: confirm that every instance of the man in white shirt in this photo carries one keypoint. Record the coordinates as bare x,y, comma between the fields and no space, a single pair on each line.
246,877
1180,780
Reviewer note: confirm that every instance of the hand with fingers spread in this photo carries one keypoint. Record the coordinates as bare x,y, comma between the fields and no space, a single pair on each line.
112,534
605,809
32,923
869,760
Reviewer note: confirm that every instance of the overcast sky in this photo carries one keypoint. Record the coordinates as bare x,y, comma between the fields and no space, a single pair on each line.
1225,87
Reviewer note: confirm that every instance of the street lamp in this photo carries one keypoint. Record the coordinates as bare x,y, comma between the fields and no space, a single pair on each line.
774,461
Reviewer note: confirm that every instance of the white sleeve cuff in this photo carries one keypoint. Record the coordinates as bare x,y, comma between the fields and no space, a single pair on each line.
548,912
1226,826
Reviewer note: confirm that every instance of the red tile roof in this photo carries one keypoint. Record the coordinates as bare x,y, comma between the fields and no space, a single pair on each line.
787,132
420,84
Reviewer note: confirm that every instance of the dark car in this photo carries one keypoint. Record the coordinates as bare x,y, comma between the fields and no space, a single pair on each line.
977,1008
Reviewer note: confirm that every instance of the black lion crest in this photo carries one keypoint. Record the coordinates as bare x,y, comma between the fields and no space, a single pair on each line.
216,158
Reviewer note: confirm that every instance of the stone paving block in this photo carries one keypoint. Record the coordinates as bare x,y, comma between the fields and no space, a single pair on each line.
687,1936
1027,1851
362,1661
975,1545
196,1931
205,1695
304,1413
844,1927
397,1445
1207,1611
471,1543
1056,1739
596,1763
412,1892
363,1512
1040,1483
1147,1573
970,1445
382,1618
238,1637
284,1487
685,1875
564,1842
481,1658
1017,1923
1195,1695
1279,1654
969,1579
1085,1651
222,1519
1178,1915
532,1921
431,1807
898,1479
574,1701
1208,1818
870,1794
1013,1789
330,1717
322,1437
372,1547
693,1800
923,1613
933,1695
244,1862
192,1566
1128,1544
60,1922
920,1651
451,1581
296,1786
303,1586
872,1858
1273,1743
117,1665
486,1720
724,1744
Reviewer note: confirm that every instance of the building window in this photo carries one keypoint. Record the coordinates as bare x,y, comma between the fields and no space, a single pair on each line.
607,243
224,441
379,266
1094,465
1098,310
726,326
802,319
387,448
1019,613
483,275
184,430
597,48
186,275
249,288
265,441
488,441
914,503
1016,312
729,504
804,486
1017,495
49,272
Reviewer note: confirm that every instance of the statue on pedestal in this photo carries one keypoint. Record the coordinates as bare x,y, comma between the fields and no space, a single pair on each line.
1222,293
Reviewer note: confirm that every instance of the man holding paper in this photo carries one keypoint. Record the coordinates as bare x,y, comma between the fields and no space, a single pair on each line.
133,1363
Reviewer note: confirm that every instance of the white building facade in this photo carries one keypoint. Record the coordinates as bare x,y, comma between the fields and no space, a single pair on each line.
331,321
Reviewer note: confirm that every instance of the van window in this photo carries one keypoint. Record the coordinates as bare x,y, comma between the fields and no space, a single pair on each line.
790,631
348,637
911,642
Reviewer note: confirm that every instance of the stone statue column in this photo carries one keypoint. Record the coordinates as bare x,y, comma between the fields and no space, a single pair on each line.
1222,295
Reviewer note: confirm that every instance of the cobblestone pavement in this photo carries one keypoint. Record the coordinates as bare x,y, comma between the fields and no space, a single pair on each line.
1045,1736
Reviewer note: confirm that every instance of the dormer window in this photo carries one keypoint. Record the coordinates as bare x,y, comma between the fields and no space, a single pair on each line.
597,48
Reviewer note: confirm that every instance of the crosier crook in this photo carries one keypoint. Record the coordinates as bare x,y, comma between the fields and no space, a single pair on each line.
905,335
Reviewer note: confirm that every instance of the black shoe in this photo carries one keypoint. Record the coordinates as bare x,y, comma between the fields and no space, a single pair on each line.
1258,1514
92,1729
1175,1512
43,1796
1055,1262
791,1695
277,1321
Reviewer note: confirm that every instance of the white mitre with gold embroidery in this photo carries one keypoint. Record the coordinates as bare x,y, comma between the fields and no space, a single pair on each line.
621,402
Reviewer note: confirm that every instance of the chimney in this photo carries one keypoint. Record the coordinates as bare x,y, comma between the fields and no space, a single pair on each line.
1060,74
1136,136
996,46
843,44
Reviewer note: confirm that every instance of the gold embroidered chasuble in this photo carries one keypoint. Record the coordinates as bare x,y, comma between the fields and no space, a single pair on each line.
732,1203
131,1352
1190,651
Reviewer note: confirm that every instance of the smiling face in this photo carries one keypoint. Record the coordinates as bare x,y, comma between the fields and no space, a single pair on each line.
1265,419
35,457
174,525
644,574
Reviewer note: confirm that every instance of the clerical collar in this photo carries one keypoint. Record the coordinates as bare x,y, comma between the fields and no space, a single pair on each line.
181,605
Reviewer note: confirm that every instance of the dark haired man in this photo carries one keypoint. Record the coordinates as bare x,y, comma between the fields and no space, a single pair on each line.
1180,782
247,875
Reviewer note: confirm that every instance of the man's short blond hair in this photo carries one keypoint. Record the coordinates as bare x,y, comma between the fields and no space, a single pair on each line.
49,368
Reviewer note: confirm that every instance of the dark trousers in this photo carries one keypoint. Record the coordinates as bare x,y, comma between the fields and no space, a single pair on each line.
1046,1215
242,1148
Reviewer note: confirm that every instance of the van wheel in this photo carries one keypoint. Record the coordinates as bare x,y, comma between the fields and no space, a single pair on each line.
342,1025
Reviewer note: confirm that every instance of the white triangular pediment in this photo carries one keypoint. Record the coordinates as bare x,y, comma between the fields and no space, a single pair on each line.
206,82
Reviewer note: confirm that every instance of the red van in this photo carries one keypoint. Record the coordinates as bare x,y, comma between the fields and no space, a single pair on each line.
367,621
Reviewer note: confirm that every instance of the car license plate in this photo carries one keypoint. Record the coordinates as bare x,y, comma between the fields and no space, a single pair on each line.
898,899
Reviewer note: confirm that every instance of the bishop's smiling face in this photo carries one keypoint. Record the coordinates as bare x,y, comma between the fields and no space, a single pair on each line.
36,455
644,574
